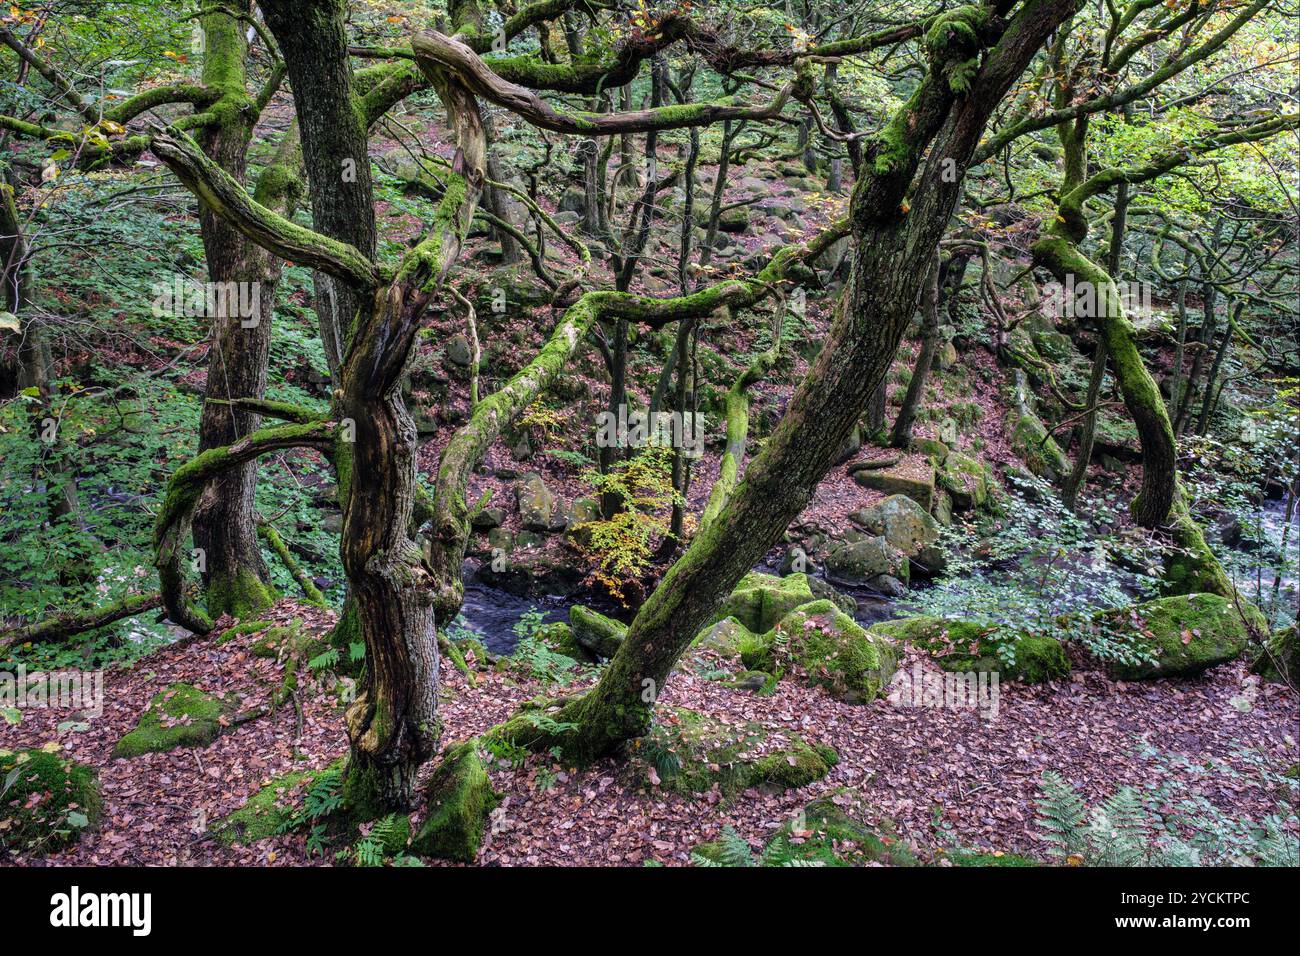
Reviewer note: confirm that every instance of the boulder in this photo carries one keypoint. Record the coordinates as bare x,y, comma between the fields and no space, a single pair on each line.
458,351
727,637
180,716
599,634
689,752
1279,659
914,479
1032,443
487,519
831,649
1177,636
536,503
966,480
46,801
859,562
903,523
760,600
961,645
459,799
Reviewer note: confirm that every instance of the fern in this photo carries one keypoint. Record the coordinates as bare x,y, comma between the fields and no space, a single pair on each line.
1119,831
1063,814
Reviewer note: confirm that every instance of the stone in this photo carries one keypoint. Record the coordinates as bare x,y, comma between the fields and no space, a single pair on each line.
487,519
963,645
832,650
458,351
859,562
46,801
966,480
180,716
599,634
915,481
760,600
1178,636
1279,659
458,800
536,502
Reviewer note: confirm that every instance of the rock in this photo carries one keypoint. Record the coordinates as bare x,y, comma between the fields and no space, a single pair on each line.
901,522
794,561
501,539
735,220
1279,660
756,682
459,799
726,637
860,562
268,811
1180,636
46,801
936,450
532,573
889,586
558,638
945,357
180,716
966,480
852,444
597,633
959,645
917,482
536,503
573,200
832,650
942,507
888,460
825,591
760,600
458,351
1031,442
487,519
707,752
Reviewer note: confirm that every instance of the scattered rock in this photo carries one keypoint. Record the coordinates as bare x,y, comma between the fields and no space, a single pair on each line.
760,600
1179,636
861,561
960,645
46,801
914,479
180,716
536,503
459,799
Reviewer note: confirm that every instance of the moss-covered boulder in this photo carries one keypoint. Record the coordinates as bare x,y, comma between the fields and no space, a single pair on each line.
559,638
1178,636
958,645
537,503
1279,660
861,560
912,478
760,600
907,527
597,633
180,716
690,752
46,801
271,809
459,799
966,480
1033,444
725,637
831,649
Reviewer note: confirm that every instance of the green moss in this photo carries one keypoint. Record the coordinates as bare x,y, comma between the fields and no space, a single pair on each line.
240,594
966,480
180,716
1184,635
830,648
760,600
1031,442
597,633
245,627
958,645
46,801
691,752
266,813
1279,659
459,799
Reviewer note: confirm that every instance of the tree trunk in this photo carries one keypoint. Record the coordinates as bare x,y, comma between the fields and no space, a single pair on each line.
902,434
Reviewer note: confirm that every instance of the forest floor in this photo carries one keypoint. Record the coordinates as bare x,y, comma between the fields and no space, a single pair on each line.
945,777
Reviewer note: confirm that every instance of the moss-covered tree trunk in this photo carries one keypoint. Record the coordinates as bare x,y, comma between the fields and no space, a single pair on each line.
225,528
896,231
